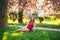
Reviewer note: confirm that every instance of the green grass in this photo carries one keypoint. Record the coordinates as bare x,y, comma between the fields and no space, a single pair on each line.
48,25
39,25
2,30
37,35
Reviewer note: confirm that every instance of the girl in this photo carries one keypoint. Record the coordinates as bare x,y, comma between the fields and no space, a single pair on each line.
29,26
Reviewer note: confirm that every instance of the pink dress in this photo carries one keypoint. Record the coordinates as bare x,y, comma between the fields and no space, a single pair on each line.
30,25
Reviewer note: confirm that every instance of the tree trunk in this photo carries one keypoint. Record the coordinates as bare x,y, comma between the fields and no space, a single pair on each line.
3,13
3,17
20,16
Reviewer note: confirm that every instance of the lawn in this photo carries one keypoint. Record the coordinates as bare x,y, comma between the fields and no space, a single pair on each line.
37,25
6,34
34,35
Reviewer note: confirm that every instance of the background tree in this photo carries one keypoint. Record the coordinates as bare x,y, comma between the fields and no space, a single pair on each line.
22,4
52,5
3,13
3,16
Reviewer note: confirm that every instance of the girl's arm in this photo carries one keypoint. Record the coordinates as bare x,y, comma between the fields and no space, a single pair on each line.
34,27
27,24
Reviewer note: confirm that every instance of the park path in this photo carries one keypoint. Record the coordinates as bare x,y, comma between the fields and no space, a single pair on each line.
42,28
50,29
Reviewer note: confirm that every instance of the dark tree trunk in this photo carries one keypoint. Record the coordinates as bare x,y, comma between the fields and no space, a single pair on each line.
3,17
20,16
3,13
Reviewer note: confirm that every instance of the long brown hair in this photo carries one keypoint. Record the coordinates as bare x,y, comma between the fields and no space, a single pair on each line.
32,18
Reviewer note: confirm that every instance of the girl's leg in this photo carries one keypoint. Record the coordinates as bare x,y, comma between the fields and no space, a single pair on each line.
22,29
18,30
25,29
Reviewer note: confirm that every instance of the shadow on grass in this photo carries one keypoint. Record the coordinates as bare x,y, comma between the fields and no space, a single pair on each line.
2,30
53,35
37,35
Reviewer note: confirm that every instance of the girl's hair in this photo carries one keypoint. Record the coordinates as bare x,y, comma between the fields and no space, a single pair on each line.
33,18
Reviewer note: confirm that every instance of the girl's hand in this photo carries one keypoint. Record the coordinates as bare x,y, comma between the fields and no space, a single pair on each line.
34,27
